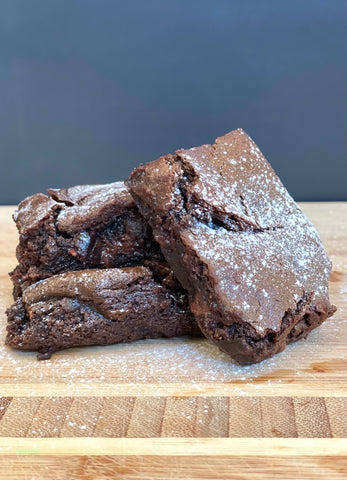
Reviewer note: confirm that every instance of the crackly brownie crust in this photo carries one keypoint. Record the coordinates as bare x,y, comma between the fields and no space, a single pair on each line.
253,264
87,226
99,307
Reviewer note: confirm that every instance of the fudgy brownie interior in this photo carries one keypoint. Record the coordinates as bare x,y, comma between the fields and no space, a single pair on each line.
86,226
253,264
99,307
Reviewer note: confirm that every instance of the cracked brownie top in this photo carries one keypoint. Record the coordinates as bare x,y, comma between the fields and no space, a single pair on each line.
234,237
79,227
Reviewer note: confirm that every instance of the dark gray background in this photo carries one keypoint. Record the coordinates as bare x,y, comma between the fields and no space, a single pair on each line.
91,88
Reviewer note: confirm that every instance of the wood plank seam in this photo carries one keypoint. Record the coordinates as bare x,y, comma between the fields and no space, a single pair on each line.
244,417
218,389
175,446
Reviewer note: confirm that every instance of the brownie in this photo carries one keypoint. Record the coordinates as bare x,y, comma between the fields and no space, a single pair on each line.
253,264
81,227
99,307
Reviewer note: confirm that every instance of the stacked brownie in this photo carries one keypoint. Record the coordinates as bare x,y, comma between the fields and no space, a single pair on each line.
250,263
88,226
90,273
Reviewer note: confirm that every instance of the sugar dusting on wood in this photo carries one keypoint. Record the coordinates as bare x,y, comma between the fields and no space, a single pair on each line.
160,361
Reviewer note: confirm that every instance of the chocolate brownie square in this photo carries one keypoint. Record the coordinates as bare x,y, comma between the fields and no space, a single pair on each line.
99,307
253,264
86,226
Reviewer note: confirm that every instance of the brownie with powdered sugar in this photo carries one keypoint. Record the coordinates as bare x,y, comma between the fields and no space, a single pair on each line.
253,264
86,226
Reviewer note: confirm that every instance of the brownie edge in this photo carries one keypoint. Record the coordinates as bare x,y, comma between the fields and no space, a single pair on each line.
97,307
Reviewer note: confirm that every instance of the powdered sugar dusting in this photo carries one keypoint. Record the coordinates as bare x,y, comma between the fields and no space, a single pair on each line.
284,261
159,361
32,210
84,283
85,204
261,253
82,194
165,361
89,203
233,176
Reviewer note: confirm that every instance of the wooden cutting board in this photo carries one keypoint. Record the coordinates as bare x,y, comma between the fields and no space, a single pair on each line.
178,408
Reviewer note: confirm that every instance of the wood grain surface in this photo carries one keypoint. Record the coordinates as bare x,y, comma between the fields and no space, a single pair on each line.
179,408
